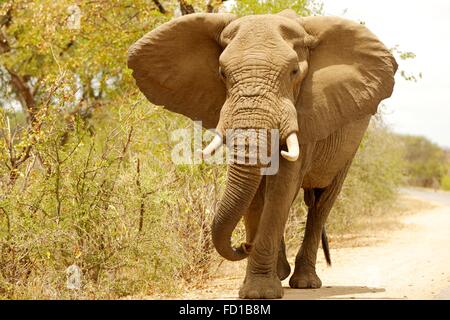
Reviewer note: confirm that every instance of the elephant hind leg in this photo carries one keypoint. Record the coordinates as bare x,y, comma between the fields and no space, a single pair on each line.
310,200
319,202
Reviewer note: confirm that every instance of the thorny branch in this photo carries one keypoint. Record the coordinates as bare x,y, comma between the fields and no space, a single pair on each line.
213,5
186,8
160,6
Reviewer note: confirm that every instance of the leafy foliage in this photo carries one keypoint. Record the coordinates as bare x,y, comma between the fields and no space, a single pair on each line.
426,162
301,7
445,183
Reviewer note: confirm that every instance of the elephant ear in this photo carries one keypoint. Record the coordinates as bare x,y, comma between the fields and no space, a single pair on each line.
176,65
350,73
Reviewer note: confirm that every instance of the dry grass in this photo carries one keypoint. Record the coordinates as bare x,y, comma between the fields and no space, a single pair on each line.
366,228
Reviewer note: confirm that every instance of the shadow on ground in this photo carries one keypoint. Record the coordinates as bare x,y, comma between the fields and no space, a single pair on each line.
334,292
331,292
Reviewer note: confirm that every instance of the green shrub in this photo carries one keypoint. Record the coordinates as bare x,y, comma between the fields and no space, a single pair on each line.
445,183
426,162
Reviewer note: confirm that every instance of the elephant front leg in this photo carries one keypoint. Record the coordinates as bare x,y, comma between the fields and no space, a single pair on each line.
262,280
253,214
319,202
251,220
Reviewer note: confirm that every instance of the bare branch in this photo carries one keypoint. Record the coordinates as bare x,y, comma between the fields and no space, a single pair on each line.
4,45
185,7
142,204
160,6
5,19
213,5
25,95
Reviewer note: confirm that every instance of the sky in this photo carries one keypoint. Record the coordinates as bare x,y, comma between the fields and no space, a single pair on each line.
422,27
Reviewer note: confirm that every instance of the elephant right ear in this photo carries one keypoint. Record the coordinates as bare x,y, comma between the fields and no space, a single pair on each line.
177,65
350,73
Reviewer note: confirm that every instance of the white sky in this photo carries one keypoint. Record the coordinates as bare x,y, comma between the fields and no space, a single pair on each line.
423,27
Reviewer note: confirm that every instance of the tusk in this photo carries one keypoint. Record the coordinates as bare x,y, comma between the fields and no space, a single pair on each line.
212,146
293,148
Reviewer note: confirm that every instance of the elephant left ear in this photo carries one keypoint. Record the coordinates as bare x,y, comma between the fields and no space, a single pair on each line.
177,65
350,73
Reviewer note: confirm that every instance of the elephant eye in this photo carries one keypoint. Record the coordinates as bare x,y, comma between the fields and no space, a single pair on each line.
295,71
221,73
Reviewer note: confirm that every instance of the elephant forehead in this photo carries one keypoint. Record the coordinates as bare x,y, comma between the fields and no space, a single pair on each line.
263,29
257,41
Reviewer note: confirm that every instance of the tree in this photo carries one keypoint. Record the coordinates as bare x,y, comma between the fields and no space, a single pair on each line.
301,7
78,168
426,162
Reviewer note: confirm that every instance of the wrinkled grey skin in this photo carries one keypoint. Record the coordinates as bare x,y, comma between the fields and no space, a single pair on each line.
315,77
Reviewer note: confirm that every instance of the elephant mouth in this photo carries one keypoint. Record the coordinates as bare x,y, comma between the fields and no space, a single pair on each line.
253,145
260,122
250,95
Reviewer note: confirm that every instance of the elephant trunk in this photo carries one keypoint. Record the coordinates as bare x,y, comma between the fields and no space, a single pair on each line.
242,184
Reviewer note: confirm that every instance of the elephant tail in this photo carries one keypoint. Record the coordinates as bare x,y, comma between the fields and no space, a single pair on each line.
326,247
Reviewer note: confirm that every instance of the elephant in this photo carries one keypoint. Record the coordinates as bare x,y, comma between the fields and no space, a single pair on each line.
317,80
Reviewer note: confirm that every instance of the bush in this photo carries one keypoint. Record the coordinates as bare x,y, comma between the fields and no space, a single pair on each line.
445,183
110,202
426,162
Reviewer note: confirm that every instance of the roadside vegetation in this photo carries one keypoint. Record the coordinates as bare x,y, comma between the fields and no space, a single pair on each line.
86,179
427,164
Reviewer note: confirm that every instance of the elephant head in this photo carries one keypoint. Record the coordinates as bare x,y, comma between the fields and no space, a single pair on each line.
306,77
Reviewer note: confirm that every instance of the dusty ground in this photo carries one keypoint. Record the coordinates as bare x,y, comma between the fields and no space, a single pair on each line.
410,261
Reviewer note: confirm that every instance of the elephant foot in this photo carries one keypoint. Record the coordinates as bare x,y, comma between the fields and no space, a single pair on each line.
305,280
261,287
283,268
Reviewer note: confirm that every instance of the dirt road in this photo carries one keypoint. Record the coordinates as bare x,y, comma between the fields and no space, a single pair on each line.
412,262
